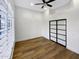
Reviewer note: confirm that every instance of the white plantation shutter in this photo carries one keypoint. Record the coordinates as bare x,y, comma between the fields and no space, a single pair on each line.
6,29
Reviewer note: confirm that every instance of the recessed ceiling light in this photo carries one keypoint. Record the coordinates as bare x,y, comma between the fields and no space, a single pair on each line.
32,4
45,8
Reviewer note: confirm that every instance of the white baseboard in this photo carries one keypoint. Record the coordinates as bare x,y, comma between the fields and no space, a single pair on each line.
73,50
27,39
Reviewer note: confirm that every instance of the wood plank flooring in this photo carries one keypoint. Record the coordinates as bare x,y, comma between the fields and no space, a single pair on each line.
41,48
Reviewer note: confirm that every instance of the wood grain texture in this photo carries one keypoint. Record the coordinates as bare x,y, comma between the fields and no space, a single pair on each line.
41,48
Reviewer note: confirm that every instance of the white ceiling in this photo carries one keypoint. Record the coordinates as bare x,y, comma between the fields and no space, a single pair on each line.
27,4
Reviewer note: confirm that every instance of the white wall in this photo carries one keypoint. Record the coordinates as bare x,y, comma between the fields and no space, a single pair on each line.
72,16
45,24
28,24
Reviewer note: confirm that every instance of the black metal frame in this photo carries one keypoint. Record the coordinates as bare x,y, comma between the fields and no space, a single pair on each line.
65,30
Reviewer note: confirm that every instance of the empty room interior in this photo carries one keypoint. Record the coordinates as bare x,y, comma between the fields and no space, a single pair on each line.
39,29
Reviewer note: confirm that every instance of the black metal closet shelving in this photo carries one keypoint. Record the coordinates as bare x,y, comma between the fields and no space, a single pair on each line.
58,26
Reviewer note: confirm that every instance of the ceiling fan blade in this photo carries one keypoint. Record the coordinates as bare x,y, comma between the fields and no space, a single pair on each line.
42,7
44,1
50,1
39,3
49,5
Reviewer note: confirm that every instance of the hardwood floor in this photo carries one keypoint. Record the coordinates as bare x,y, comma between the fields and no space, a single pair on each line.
41,48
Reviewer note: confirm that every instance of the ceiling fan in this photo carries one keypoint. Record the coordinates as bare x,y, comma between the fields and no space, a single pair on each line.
45,3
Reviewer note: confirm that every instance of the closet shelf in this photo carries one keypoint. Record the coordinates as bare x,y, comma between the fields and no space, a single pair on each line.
58,29
58,33
58,24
